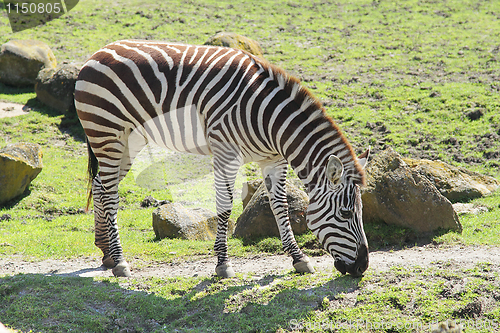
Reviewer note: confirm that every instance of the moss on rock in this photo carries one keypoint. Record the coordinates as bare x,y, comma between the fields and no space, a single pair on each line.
228,39
20,163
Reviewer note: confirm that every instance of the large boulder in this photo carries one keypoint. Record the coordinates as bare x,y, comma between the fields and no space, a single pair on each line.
55,87
397,194
229,39
22,60
258,220
20,163
456,184
248,190
172,220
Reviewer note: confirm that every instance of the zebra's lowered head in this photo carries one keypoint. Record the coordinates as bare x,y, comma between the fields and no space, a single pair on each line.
335,215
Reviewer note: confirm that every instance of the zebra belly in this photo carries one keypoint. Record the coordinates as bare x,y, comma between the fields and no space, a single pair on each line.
178,130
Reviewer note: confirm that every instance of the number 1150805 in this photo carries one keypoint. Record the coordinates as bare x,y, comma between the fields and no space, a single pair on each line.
26,14
34,8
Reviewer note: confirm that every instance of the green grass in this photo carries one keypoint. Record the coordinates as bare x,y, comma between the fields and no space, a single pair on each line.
18,95
394,299
483,228
403,74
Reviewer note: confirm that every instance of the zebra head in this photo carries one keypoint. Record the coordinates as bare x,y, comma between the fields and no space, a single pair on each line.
335,216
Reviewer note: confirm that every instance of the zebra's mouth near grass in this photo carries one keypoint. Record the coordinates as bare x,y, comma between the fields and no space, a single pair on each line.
358,267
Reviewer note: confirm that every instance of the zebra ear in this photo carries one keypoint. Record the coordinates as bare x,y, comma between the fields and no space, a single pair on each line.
334,169
363,158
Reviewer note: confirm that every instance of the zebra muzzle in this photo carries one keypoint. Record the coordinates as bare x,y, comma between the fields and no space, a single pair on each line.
358,267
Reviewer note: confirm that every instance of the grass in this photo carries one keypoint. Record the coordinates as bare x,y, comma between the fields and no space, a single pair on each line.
482,228
418,76
394,299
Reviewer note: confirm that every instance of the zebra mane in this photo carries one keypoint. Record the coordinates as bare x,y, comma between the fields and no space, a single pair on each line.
309,103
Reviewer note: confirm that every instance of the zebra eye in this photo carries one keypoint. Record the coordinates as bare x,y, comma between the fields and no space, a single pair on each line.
345,213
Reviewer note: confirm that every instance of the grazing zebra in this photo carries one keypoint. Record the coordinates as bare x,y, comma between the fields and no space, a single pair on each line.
238,107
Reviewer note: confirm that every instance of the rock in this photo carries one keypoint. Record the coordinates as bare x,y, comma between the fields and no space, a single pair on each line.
22,60
236,41
257,218
397,194
20,163
55,87
468,208
448,326
248,190
172,220
149,201
456,184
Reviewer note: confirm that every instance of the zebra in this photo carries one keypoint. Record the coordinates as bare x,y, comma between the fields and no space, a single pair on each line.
235,106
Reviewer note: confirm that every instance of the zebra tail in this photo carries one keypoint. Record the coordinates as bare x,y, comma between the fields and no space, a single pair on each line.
93,169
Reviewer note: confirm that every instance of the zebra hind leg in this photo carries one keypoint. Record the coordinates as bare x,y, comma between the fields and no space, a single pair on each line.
106,203
101,229
106,229
274,174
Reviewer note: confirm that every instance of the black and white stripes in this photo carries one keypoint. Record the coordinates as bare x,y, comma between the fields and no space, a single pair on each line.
225,102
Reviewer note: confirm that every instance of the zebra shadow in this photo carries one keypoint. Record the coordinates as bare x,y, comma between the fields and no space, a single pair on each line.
84,272
205,304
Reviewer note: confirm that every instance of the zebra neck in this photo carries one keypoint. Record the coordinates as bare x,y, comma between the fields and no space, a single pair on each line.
311,144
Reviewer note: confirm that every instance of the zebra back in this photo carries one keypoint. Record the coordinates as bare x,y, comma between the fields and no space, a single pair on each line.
230,93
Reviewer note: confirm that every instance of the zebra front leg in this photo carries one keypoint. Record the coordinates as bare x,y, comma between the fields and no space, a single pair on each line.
106,232
274,174
224,268
227,161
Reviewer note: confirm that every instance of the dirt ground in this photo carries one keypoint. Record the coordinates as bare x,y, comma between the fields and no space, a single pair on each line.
12,109
257,266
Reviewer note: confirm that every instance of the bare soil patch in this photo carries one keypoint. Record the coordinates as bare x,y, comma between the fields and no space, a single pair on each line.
260,265
12,109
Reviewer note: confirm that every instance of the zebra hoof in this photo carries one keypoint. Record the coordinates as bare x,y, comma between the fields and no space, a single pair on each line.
225,271
108,262
303,266
122,269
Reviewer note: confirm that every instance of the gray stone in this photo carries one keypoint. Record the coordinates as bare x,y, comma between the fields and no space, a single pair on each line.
456,184
397,194
172,220
149,201
229,39
20,163
258,219
55,87
22,60
468,208
248,190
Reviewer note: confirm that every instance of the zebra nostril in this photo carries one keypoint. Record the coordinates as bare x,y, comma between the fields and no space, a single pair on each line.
358,267
356,270
362,261
360,270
